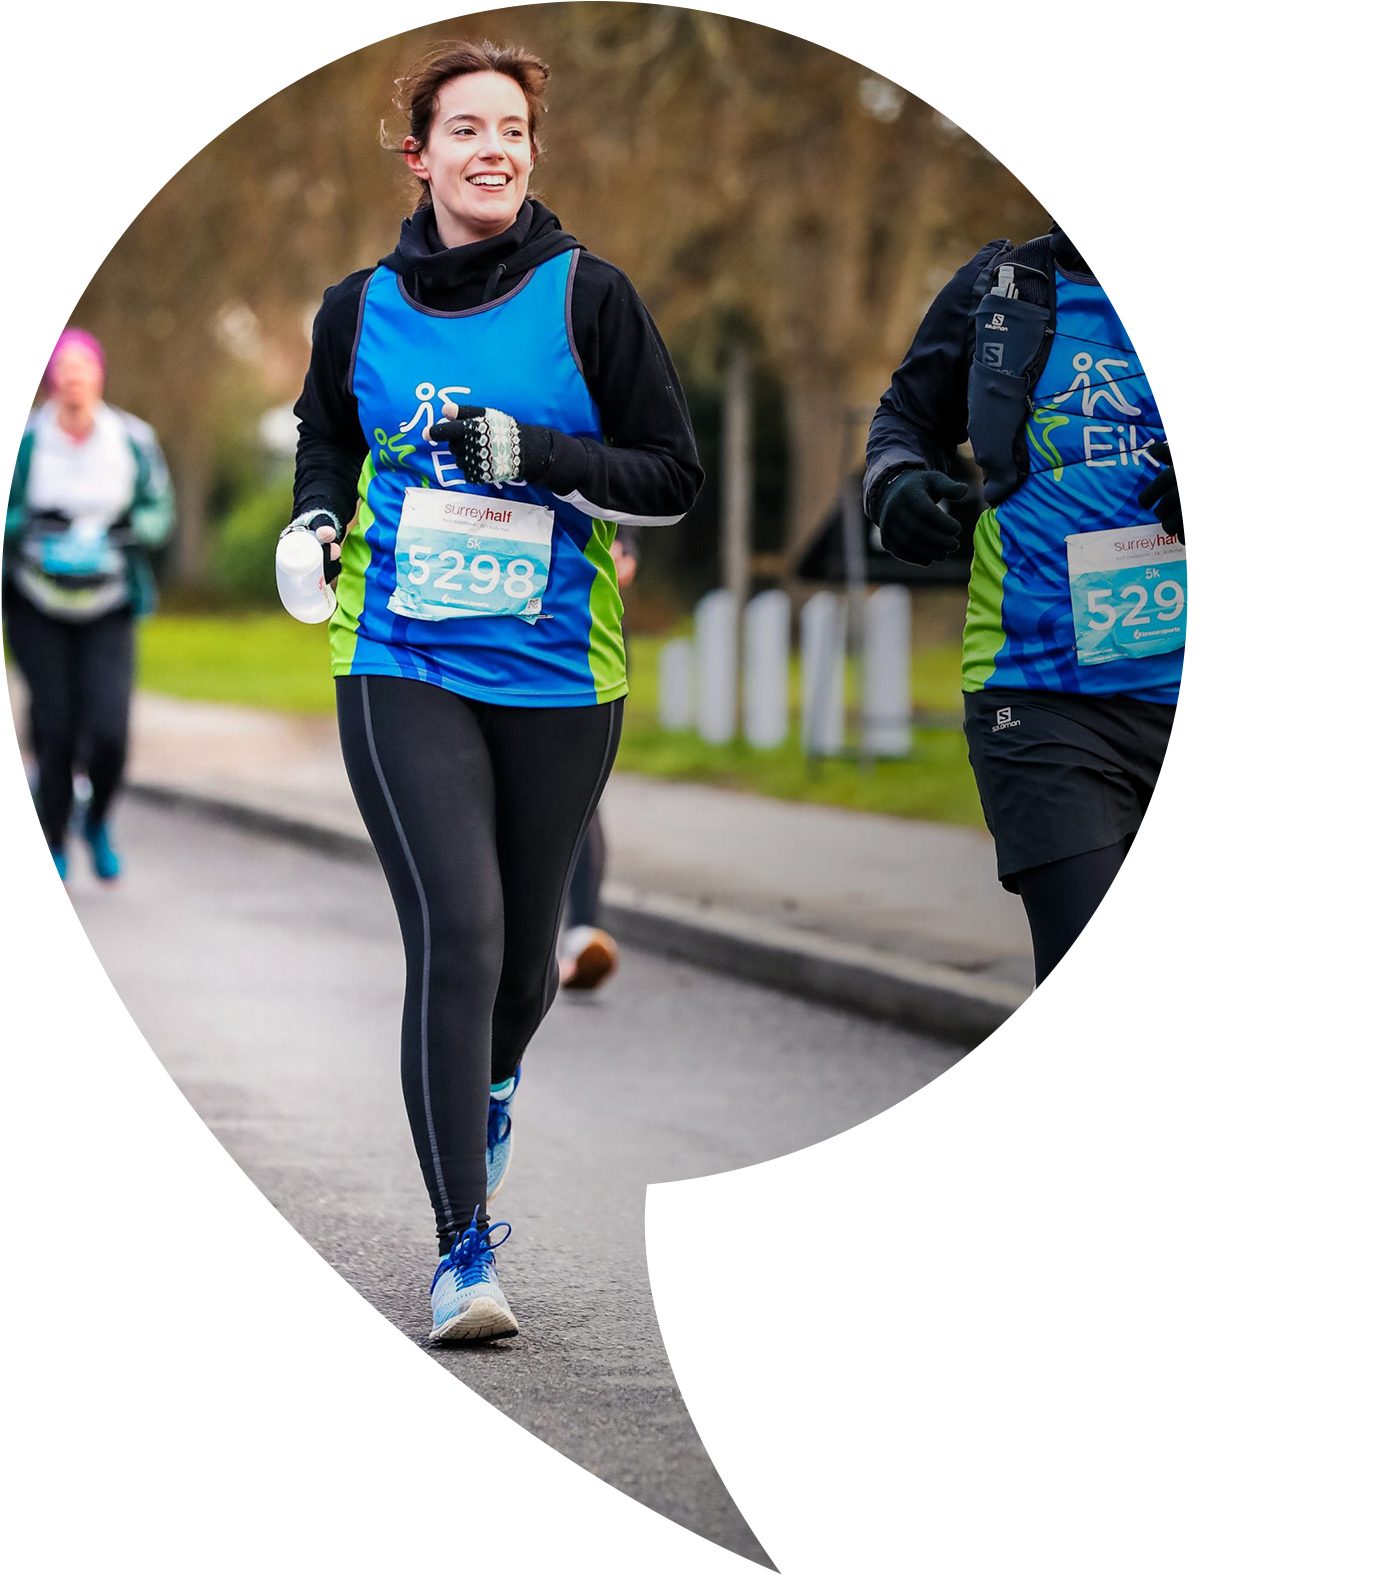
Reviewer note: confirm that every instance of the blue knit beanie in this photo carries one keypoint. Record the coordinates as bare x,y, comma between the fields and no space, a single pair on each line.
1087,77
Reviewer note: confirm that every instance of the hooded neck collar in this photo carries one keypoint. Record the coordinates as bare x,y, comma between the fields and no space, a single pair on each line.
1118,244
433,272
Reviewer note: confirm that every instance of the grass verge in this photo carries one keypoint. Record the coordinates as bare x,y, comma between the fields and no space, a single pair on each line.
269,661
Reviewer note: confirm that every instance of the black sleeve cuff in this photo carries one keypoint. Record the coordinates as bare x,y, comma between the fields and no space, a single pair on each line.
881,478
568,465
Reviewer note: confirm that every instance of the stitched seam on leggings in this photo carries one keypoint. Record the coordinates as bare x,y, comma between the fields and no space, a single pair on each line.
427,952
583,828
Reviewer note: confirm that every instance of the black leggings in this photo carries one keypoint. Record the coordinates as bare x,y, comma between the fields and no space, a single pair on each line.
1109,931
476,812
79,678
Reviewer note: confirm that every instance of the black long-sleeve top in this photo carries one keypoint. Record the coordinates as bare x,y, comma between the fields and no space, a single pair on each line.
648,471
923,414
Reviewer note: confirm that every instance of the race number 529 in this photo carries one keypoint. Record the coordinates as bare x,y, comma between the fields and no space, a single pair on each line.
1135,605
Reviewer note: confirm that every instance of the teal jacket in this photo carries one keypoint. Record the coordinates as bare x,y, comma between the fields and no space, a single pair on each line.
152,509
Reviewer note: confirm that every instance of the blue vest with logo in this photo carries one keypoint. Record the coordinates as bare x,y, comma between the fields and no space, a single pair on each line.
514,354
1050,608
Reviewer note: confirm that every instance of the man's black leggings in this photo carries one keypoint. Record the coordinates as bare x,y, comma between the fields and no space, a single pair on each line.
1109,933
79,677
476,812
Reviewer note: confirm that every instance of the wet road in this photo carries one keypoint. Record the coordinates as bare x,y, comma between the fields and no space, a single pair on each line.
766,1259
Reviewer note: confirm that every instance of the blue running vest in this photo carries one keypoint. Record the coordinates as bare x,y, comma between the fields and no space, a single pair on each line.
514,354
1093,415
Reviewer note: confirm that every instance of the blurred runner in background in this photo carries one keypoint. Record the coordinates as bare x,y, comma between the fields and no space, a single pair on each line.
587,953
89,498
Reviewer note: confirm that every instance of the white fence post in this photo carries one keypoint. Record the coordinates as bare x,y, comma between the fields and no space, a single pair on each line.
675,708
887,703
824,674
767,625
717,664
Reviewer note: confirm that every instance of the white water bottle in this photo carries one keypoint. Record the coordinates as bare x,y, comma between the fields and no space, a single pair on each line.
301,576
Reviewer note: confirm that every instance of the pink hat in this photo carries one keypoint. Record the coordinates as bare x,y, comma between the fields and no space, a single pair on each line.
66,340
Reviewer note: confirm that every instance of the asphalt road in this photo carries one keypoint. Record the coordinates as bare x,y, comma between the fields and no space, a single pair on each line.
766,1260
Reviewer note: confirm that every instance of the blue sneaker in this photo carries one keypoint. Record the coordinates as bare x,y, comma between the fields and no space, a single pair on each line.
498,1130
468,1302
105,863
54,874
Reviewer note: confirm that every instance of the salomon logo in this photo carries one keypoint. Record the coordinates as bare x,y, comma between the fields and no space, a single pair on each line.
1004,719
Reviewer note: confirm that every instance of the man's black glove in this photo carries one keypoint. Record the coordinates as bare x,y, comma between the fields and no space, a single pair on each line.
913,524
491,447
1162,495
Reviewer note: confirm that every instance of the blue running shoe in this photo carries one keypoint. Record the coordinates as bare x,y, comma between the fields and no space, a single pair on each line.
105,863
468,1302
54,874
498,1127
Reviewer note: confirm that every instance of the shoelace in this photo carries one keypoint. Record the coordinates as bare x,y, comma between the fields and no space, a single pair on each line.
473,1253
497,1122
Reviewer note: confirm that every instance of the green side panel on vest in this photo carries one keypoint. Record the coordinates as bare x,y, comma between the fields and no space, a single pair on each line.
350,587
983,635
607,656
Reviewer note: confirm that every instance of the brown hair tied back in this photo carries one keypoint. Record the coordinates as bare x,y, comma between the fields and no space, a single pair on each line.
416,94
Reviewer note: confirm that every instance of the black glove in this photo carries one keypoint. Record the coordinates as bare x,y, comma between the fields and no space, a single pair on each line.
1162,494
315,520
913,525
491,447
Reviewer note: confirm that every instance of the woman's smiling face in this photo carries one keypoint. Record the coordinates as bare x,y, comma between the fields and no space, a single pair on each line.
477,157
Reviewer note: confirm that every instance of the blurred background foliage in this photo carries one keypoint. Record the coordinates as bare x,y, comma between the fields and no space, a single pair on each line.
760,192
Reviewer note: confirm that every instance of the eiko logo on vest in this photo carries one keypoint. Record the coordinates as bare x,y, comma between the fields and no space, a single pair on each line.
1107,442
445,468
425,393
1092,392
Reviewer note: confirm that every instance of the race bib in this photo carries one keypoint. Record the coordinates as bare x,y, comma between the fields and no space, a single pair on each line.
1128,592
461,555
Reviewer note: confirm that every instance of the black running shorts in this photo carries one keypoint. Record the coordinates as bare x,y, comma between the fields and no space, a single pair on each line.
1062,774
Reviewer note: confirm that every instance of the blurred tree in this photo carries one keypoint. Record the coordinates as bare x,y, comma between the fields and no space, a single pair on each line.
756,188
781,194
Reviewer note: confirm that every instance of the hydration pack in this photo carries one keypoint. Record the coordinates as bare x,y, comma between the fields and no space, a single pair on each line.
1012,329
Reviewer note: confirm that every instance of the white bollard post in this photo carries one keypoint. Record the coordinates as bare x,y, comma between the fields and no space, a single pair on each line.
824,674
675,712
888,706
767,624
717,665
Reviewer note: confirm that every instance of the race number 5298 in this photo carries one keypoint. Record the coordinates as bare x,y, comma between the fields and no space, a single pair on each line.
449,570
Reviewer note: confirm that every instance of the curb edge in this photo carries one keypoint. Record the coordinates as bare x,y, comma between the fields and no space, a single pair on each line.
925,997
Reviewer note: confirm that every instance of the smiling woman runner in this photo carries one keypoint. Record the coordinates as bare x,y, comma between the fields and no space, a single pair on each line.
481,410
